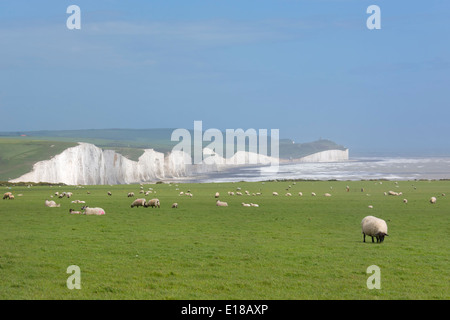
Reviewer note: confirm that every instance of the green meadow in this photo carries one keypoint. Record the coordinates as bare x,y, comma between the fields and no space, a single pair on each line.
290,247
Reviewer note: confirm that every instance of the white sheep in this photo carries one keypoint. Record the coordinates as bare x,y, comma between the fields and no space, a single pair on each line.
175,205
138,203
93,211
217,194
153,203
433,200
109,193
78,201
327,195
71,211
130,195
405,200
288,194
300,194
221,203
246,204
374,227
254,205
275,193
51,204
313,194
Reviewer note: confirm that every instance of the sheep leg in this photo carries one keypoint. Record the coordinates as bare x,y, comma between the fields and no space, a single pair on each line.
372,239
364,237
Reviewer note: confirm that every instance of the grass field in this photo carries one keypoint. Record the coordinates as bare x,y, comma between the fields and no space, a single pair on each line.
288,248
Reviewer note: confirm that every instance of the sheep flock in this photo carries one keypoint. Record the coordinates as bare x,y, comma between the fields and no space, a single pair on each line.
371,226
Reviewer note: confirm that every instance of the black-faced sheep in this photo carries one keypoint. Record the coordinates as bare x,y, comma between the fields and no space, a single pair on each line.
374,227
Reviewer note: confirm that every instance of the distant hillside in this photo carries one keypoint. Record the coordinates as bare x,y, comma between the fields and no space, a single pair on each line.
20,150
17,156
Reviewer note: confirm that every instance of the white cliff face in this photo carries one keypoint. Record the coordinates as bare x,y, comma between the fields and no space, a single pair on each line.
326,156
87,164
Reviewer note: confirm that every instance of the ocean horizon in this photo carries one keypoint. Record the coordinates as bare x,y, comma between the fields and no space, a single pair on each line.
358,168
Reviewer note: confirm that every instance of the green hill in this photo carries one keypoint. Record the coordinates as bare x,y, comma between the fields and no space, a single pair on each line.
17,156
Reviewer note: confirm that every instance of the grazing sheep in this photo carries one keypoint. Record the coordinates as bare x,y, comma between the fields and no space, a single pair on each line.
71,211
109,193
221,204
254,205
405,200
69,194
300,194
246,204
275,193
288,194
327,195
217,195
181,193
374,227
153,203
175,205
93,211
130,195
370,206
313,194
138,203
11,197
51,204
7,195
393,193
238,193
433,200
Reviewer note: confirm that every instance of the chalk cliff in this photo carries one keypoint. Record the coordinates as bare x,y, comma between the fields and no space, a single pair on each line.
87,164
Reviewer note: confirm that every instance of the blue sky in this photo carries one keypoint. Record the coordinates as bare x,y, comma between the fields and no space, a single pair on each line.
311,69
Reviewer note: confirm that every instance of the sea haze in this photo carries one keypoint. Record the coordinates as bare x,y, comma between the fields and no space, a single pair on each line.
432,168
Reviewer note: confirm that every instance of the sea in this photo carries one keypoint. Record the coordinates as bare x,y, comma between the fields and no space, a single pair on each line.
374,168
